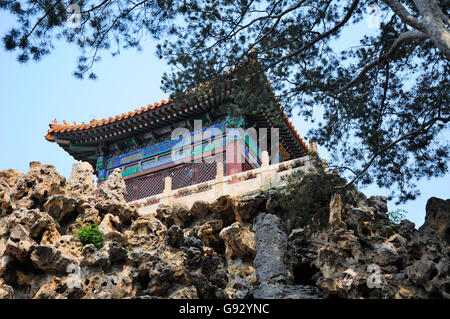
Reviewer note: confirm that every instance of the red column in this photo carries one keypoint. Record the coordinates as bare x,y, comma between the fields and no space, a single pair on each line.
234,158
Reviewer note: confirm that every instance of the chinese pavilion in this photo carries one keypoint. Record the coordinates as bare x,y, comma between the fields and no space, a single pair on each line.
140,144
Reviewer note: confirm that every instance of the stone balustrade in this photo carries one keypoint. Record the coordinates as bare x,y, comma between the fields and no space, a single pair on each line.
265,177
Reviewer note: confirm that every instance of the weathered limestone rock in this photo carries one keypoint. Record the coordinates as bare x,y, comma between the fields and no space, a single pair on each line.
26,217
41,182
110,227
177,214
359,220
406,228
114,251
274,203
47,258
93,257
6,292
81,180
199,210
380,204
220,279
208,251
336,207
415,266
175,236
437,217
57,288
193,242
166,279
211,264
86,214
271,242
164,214
184,293
194,258
60,207
419,272
4,260
181,214
146,232
129,213
69,245
241,278
39,225
113,190
386,254
209,233
222,209
205,289
8,179
247,207
239,241
19,244
272,264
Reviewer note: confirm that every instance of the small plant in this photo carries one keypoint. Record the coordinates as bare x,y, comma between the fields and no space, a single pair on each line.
127,248
396,216
270,186
90,235
129,251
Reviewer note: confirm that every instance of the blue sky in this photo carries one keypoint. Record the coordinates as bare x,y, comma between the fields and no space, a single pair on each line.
34,94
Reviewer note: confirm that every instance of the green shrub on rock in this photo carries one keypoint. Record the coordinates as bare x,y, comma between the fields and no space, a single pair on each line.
396,216
90,235
307,196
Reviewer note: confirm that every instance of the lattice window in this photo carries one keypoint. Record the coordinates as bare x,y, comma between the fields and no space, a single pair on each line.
150,185
246,167
182,176
206,171
131,190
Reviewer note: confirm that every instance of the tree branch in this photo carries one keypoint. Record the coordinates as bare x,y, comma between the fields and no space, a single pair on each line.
41,19
278,16
320,37
95,7
409,135
405,15
403,37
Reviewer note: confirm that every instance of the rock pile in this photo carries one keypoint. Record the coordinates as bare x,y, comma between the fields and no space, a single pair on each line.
231,248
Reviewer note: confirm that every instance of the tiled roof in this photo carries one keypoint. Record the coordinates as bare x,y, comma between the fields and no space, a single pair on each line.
56,127
292,128
61,128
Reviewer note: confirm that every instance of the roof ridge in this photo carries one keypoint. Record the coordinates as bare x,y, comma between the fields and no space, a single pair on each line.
62,127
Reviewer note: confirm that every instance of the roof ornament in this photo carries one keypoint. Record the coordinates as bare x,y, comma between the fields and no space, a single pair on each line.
54,123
